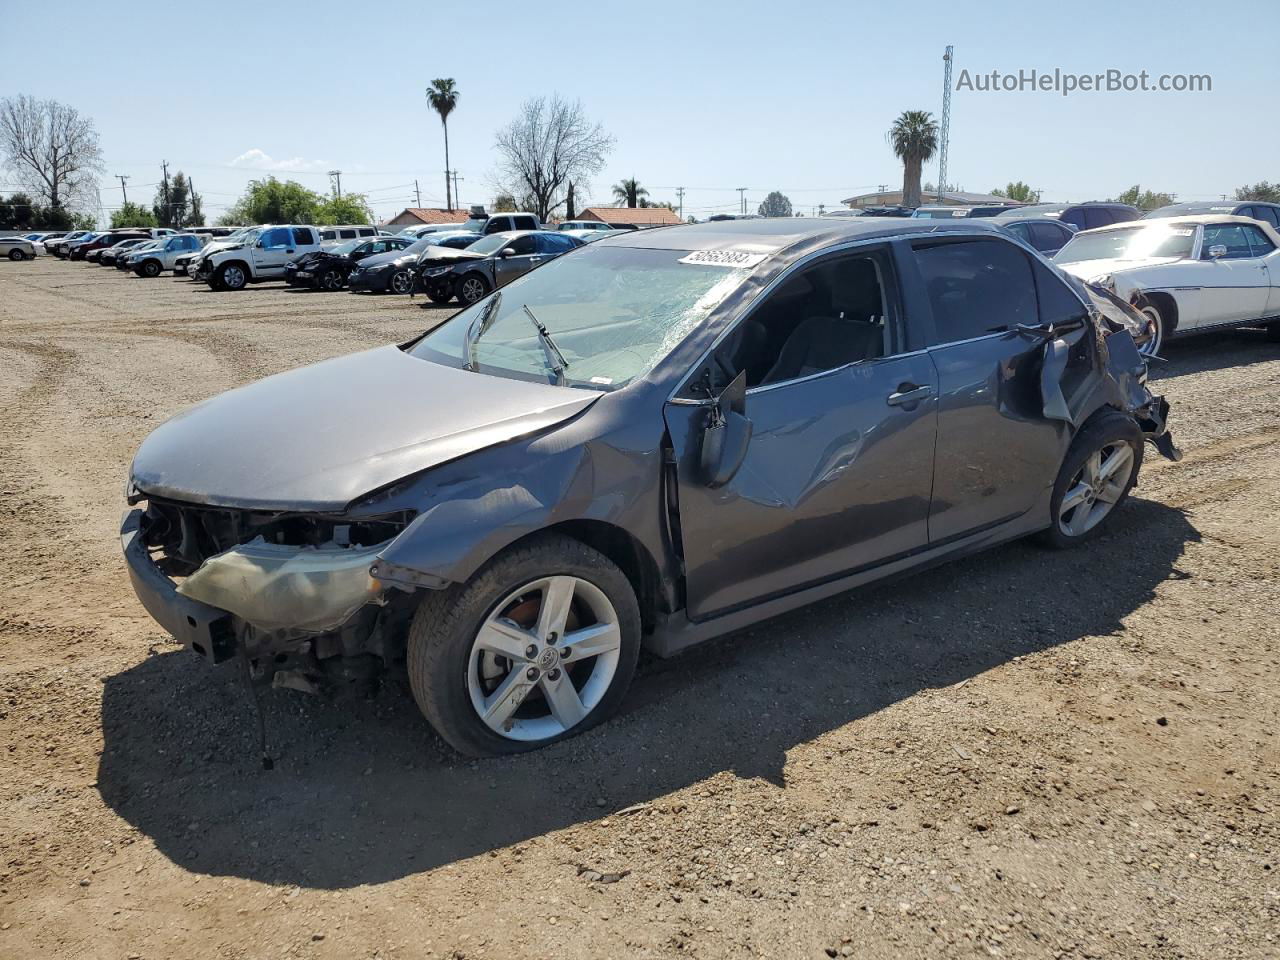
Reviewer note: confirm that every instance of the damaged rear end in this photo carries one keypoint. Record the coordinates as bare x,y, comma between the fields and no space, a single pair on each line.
291,592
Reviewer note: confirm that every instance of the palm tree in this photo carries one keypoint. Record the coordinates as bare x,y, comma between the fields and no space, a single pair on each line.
914,138
629,192
443,97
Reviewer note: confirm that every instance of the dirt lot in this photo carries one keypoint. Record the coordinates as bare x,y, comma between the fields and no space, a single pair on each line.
1023,754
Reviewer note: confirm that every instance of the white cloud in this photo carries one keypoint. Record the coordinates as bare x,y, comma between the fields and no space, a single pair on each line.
256,159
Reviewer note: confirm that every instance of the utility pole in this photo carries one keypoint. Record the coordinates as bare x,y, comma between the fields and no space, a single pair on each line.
168,209
336,176
457,199
417,193
122,178
680,196
944,134
742,198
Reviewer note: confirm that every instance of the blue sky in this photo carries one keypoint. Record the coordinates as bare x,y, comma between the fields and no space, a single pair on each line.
707,95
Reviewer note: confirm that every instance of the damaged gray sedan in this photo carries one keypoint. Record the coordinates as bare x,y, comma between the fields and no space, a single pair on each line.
651,441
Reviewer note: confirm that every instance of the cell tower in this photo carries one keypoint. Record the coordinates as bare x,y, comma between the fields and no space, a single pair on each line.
945,134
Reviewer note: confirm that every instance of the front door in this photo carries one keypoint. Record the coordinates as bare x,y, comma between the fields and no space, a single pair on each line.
274,249
522,259
1233,286
839,466
997,453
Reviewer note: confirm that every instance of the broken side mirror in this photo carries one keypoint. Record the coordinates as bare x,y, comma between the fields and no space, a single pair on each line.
726,434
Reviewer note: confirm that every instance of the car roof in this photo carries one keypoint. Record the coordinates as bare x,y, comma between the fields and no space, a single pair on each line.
776,234
1208,206
1193,221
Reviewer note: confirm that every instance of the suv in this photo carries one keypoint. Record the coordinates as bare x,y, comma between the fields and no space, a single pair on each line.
261,259
500,222
162,255
1082,216
103,240
941,211
336,234
1268,213
193,265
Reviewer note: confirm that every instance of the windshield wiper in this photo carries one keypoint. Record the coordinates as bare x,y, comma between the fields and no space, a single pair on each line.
555,359
476,330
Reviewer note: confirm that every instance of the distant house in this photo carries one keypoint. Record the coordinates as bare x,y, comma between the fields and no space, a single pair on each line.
893,198
641,217
420,216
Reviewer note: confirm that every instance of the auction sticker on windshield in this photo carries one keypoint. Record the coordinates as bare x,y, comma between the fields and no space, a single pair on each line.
723,258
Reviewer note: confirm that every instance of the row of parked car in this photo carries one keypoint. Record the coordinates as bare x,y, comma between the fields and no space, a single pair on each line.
444,261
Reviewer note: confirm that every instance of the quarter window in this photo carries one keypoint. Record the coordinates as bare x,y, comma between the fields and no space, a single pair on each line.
976,287
301,236
1048,236
1259,244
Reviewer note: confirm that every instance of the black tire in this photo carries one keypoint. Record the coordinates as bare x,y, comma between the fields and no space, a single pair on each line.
150,268
400,282
230,276
447,622
1107,429
472,287
1273,332
439,294
16,254
330,280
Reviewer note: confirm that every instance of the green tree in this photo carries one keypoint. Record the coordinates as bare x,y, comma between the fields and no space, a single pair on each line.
352,208
629,193
443,97
1135,196
19,212
1262,190
776,204
914,138
133,215
174,208
1018,191
275,201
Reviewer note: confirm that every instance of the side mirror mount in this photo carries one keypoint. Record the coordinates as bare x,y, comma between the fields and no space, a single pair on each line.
1217,251
726,435
507,252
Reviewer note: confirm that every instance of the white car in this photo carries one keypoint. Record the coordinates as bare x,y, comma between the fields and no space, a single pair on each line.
1186,275
262,259
193,265
17,248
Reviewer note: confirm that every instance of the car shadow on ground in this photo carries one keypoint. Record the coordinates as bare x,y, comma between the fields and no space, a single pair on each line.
363,791
1236,349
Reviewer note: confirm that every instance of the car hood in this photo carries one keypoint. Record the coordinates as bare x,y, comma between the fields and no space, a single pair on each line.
1088,269
321,436
378,259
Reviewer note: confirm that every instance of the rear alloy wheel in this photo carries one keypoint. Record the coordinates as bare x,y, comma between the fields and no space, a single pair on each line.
151,268
472,287
540,645
1152,313
400,282
231,276
330,280
1100,469
439,294
16,254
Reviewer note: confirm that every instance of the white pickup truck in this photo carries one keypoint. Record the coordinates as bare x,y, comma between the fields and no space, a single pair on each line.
262,258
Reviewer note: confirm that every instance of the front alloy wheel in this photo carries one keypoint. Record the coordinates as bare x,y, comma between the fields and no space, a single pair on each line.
400,282
331,280
472,288
539,645
232,277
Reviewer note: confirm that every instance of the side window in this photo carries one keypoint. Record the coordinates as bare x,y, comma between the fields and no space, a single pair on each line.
1022,231
1248,212
826,316
1259,244
1057,301
1229,235
1269,214
526,223
345,235
1097,217
366,232
1048,236
302,236
1074,216
275,238
524,245
328,235
550,243
977,287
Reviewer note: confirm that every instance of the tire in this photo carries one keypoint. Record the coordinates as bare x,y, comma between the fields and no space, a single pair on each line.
150,268
400,282
472,287
1107,435
1152,312
439,294
230,276
453,674
330,280
16,254
1273,332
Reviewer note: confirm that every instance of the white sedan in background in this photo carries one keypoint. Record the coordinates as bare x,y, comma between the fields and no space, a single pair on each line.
1185,274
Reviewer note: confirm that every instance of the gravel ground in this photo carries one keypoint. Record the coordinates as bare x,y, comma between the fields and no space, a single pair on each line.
1022,754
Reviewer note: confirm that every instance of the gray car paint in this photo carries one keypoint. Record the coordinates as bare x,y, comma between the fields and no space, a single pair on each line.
625,464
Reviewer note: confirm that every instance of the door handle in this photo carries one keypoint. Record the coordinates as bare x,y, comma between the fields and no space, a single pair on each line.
909,394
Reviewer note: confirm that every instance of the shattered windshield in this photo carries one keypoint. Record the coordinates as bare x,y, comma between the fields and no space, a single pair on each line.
612,313
1129,243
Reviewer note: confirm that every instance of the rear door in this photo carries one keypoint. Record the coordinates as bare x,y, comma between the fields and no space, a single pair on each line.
839,465
997,453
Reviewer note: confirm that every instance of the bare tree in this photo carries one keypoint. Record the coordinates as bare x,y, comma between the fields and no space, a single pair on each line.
51,149
550,143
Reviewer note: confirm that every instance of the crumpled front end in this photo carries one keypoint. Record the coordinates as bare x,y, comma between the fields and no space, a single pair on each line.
291,592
